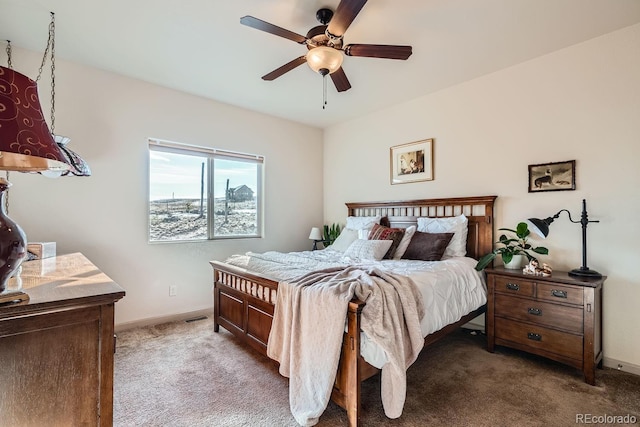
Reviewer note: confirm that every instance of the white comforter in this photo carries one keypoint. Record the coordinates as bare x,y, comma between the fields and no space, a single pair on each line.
450,288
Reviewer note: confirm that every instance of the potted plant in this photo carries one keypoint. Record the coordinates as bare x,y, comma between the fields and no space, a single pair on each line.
330,233
512,246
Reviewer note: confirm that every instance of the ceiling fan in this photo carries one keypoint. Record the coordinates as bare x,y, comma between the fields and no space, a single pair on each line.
325,43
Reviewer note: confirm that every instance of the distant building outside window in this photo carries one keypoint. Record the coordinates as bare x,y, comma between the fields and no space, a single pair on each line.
200,193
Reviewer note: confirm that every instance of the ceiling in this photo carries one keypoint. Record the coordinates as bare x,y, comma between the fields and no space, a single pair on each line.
200,47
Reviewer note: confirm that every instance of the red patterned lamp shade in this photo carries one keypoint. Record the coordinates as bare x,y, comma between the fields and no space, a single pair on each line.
26,143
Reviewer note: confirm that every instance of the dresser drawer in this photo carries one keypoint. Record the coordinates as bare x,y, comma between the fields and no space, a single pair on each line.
539,337
542,313
560,293
514,286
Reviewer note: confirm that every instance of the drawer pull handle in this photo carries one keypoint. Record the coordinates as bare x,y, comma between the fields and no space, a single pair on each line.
535,311
559,294
534,337
513,287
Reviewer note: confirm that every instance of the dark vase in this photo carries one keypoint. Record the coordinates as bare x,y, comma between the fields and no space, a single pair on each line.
13,242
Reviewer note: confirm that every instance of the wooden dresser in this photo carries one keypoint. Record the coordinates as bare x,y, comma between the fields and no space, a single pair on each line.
559,317
56,350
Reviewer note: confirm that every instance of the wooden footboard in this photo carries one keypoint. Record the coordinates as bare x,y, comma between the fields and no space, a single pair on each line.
243,305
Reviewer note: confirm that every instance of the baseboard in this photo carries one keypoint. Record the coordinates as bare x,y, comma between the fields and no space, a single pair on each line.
620,365
119,327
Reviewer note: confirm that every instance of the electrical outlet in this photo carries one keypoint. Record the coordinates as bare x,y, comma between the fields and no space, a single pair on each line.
173,290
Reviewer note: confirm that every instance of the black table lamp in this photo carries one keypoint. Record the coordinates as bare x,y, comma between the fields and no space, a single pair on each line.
541,228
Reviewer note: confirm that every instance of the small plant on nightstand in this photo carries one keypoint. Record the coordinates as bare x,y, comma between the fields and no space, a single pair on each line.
331,233
511,246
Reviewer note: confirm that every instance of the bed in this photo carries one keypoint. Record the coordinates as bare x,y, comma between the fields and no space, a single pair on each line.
244,300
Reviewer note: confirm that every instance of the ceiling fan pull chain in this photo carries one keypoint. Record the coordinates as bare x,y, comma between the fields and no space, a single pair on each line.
324,91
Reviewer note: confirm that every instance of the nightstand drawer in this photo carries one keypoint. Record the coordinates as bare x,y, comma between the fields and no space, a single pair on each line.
542,313
559,293
507,285
538,337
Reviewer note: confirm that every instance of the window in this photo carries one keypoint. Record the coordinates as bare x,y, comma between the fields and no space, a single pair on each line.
199,193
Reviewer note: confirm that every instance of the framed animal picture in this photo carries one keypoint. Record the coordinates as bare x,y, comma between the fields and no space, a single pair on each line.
557,176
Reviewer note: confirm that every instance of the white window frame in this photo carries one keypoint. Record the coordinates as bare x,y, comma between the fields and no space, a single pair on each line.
211,154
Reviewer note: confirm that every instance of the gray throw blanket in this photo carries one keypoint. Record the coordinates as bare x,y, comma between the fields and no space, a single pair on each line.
308,326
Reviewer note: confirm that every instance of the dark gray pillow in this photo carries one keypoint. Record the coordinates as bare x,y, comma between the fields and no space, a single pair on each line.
427,246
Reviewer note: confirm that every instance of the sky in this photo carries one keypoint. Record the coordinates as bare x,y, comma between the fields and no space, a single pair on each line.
178,176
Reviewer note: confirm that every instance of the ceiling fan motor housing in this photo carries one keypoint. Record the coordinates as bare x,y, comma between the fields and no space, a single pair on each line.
317,36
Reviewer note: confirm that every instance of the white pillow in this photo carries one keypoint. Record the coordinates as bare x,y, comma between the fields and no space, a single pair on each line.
404,243
455,224
363,233
345,239
368,249
360,222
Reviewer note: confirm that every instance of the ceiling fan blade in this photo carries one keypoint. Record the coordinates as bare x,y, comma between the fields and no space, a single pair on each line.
340,80
344,15
285,68
261,25
378,51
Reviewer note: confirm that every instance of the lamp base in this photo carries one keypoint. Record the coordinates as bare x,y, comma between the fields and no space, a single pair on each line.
585,272
13,296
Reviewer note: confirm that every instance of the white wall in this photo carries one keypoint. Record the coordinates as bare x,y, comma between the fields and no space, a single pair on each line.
109,118
579,103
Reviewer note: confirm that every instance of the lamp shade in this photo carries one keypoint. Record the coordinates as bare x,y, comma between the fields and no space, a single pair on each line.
26,143
315,234
540,226
324,57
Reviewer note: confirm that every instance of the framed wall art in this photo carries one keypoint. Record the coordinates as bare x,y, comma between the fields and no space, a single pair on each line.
557,176
412,162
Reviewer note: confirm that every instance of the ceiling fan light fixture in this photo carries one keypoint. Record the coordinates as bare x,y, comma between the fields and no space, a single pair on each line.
324,57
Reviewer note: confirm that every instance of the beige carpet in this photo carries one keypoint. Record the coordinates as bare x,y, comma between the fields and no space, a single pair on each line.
184,374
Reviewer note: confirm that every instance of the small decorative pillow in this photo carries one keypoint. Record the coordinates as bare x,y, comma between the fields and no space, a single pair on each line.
408,234
455,224
345,239
368,249
360,222
427,246
380,232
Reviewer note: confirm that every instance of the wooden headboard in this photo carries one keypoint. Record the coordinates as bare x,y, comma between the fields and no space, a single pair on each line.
404,213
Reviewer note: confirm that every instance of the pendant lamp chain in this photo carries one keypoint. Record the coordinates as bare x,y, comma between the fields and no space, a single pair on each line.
10,66
8,49
51,47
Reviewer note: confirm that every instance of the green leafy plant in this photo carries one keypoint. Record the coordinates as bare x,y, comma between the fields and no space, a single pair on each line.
511,246
331,233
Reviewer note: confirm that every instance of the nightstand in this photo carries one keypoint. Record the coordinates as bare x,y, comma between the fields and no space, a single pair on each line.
558,317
